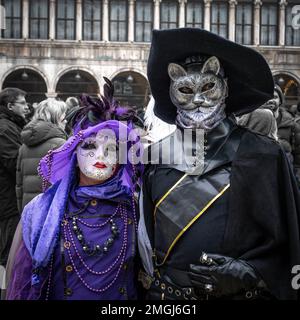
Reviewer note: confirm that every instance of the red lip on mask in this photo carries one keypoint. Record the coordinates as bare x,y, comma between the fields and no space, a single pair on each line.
99,165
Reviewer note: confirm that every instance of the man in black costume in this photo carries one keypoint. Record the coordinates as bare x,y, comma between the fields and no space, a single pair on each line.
226,224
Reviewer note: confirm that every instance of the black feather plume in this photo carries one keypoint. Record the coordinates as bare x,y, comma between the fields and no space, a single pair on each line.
93,110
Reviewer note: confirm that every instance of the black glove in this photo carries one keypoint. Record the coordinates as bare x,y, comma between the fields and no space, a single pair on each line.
218,275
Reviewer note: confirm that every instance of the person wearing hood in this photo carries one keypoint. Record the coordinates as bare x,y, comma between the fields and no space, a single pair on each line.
263,119
44,132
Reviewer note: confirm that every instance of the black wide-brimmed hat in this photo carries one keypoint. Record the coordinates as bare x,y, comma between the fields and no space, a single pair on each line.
250,81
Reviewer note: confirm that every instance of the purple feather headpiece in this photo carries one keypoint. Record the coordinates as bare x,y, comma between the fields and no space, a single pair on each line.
92,111
93,115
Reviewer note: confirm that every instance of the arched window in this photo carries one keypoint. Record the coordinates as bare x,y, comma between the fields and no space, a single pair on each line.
290,88
75,83
29,81
131,89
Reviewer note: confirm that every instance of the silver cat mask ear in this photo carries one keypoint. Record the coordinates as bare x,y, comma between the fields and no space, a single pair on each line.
198,94
176,71
211,65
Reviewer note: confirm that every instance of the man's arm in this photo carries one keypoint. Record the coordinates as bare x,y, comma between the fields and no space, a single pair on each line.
9,148
19,182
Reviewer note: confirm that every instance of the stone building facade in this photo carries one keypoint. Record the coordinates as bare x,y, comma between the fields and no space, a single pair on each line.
59,48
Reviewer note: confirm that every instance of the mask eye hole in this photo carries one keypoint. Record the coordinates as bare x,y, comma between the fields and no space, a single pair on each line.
110,149
186,90
88,146
208,86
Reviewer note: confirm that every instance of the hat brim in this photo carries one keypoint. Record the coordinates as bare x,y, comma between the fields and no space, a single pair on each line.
250,81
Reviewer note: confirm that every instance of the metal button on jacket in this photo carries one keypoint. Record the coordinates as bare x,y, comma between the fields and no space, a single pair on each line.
69,268
67,244
94,202
68,291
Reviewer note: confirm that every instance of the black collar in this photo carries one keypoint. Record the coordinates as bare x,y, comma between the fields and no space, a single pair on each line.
11,116
218,147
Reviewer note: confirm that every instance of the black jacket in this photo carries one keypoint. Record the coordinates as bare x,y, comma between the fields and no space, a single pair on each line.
256,220
285,125
260,121
10,141
38,138
296,148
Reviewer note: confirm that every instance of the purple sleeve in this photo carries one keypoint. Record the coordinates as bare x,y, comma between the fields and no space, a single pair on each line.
19,286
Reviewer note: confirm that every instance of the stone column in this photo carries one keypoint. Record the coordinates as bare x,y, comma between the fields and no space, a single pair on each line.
2,20
52,14
131,21
25,19
257,5
182,13
78,20
207,8
156,22
282,4
231,22
105,21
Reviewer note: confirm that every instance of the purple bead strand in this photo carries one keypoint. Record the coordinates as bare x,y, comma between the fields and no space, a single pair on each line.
49,280
100,290
99,225
82,260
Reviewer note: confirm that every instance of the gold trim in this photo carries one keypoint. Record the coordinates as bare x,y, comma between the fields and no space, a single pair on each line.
167,193
192,221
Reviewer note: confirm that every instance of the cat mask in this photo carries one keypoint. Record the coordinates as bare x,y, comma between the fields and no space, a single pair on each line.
198,94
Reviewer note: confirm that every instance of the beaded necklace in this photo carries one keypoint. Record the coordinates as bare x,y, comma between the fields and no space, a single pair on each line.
89,248
68,236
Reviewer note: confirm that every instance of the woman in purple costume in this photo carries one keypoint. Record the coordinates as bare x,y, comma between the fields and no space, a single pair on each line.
77,240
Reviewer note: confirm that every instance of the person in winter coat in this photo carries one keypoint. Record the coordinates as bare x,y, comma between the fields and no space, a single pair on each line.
71,102
44,132
13,108
296,145
288,133
261,121
286,128
264,120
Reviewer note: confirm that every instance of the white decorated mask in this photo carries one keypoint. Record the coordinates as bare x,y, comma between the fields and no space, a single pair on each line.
97,157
